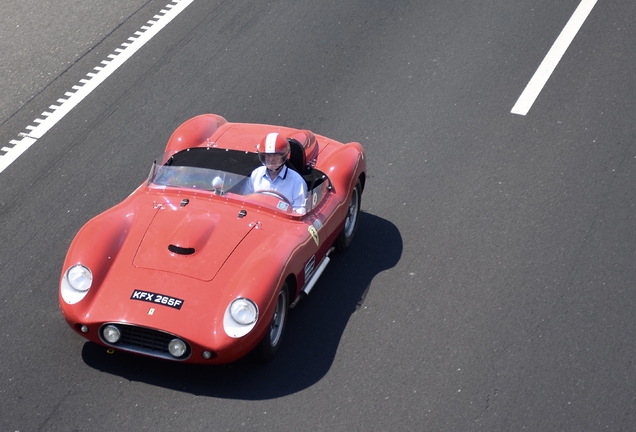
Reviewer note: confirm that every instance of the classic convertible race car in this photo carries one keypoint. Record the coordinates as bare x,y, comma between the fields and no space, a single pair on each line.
196,267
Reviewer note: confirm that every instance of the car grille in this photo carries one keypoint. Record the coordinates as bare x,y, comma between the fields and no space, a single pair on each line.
145,341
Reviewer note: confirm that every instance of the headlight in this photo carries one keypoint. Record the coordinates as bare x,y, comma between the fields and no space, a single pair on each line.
243,311
75,284
240,317
79,277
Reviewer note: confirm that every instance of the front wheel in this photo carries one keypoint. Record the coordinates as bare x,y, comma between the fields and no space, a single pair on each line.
351,220
271,341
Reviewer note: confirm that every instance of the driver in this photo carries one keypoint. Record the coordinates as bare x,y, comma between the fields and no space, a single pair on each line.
275,175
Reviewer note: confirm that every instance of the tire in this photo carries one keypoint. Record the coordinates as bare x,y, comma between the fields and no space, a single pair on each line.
351,220
272,340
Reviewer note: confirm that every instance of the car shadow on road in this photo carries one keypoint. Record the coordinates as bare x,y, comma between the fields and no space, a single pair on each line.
314,330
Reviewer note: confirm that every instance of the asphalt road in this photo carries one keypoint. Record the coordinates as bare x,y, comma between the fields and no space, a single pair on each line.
491,282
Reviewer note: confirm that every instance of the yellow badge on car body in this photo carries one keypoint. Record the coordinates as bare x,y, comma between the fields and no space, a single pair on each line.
314,234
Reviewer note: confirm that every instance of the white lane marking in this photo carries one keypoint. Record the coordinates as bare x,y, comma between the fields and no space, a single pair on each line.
107,67
551,60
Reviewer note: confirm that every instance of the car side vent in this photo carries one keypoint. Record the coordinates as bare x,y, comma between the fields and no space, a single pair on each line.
180,250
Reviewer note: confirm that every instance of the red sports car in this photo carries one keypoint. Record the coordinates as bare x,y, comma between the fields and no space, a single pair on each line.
195,266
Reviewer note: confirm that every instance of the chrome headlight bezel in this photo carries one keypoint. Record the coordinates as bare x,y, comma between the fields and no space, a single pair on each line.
240,317
76,283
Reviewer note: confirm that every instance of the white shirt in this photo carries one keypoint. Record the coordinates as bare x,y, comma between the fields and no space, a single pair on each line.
287,182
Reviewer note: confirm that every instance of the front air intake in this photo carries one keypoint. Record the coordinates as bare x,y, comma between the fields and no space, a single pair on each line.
143,340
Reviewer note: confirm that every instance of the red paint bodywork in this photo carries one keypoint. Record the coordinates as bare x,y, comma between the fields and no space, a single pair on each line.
252,256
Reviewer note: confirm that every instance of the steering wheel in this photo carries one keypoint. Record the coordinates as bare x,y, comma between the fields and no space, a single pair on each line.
274,194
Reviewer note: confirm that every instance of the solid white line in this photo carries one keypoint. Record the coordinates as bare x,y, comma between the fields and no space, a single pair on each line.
88,85
551,60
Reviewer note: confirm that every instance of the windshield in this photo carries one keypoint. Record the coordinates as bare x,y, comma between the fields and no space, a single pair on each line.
208,169
196,178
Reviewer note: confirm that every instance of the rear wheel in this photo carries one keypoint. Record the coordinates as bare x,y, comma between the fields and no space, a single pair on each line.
351,220
274,335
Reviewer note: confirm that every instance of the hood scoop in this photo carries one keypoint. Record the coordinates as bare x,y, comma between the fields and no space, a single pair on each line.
181,250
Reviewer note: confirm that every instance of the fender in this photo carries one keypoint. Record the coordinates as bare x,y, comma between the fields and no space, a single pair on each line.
98,243
262,271
105,233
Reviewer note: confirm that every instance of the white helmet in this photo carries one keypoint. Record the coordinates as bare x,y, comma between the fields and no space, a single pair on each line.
274,144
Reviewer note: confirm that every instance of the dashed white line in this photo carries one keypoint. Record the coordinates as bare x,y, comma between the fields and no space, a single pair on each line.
57,112
551,60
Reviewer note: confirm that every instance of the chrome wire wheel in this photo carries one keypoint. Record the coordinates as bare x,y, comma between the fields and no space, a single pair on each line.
352,213
351,219
278,320
274,335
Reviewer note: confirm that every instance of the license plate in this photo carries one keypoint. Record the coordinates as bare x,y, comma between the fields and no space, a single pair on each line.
155,298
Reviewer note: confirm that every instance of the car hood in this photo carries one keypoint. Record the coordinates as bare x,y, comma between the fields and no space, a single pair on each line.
190,241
